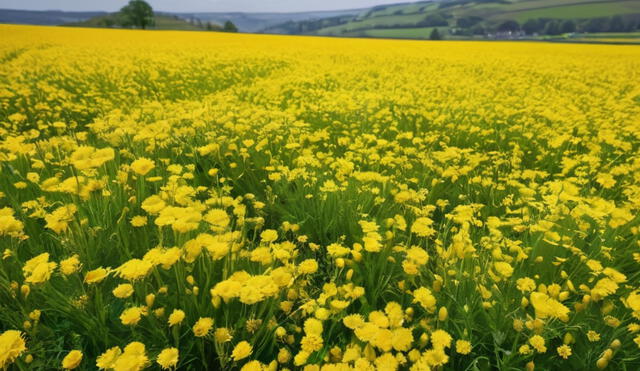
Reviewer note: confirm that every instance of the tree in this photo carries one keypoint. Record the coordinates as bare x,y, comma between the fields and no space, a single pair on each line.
509,26
552,28
617,24
229,27
568,26
531,26
433,20
137,13
435,35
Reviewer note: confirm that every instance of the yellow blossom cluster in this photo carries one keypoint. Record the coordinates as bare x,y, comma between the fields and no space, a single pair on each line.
212,201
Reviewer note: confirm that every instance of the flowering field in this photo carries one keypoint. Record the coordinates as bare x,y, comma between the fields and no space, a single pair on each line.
205,201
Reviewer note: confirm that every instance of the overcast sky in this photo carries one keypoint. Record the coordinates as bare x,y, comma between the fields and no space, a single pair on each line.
197,5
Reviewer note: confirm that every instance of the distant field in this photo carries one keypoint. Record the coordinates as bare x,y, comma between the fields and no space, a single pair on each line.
575,11
405,9
409,33
373,22
404,17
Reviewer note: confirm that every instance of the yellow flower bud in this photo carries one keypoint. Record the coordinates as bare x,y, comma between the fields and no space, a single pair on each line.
602,363
615,344
443,314
150,299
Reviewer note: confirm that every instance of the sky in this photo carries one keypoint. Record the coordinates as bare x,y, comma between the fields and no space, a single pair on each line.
197,5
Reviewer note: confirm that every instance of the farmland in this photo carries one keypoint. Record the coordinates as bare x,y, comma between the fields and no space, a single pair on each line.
192,201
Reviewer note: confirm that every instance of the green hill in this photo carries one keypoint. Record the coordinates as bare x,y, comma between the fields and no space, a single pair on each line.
162,22
478,18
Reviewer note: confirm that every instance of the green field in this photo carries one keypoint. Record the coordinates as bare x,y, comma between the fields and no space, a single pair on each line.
595,10
402,33
377,22
374,22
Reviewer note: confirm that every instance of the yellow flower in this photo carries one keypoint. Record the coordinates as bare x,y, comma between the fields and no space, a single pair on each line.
70,265
463,347
134,358
524,349
564,351
168,358
353,321
308,266
38,269
9,225
123,291
313,326
526,284
537,342
176,317
96,275
142,166
268,235
131,316
242,350
422,227
153,204
424,297
12,345
203,326
593,336
504,269
441,339
222,335
547,307
134,269
107,359
139,221
401,339
72,360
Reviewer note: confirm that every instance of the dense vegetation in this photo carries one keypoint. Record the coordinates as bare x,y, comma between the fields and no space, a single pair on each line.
201,200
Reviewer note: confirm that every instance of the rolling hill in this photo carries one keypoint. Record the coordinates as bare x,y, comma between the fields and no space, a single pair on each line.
45,17
246,22
466,18
162,22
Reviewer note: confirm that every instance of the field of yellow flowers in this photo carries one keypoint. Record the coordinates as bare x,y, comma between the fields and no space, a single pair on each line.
194,201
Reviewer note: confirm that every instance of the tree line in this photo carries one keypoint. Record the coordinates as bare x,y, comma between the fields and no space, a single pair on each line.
139,14
546,26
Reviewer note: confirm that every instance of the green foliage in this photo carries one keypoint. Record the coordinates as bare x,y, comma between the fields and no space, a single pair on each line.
435,35
138,13
229,27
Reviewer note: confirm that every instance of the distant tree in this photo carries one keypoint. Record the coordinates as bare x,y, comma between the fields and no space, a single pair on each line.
432,20
552,28
229,27
597,25
435,35
532,26
509,26
468,22
478,30
617,24
568,26
137,13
